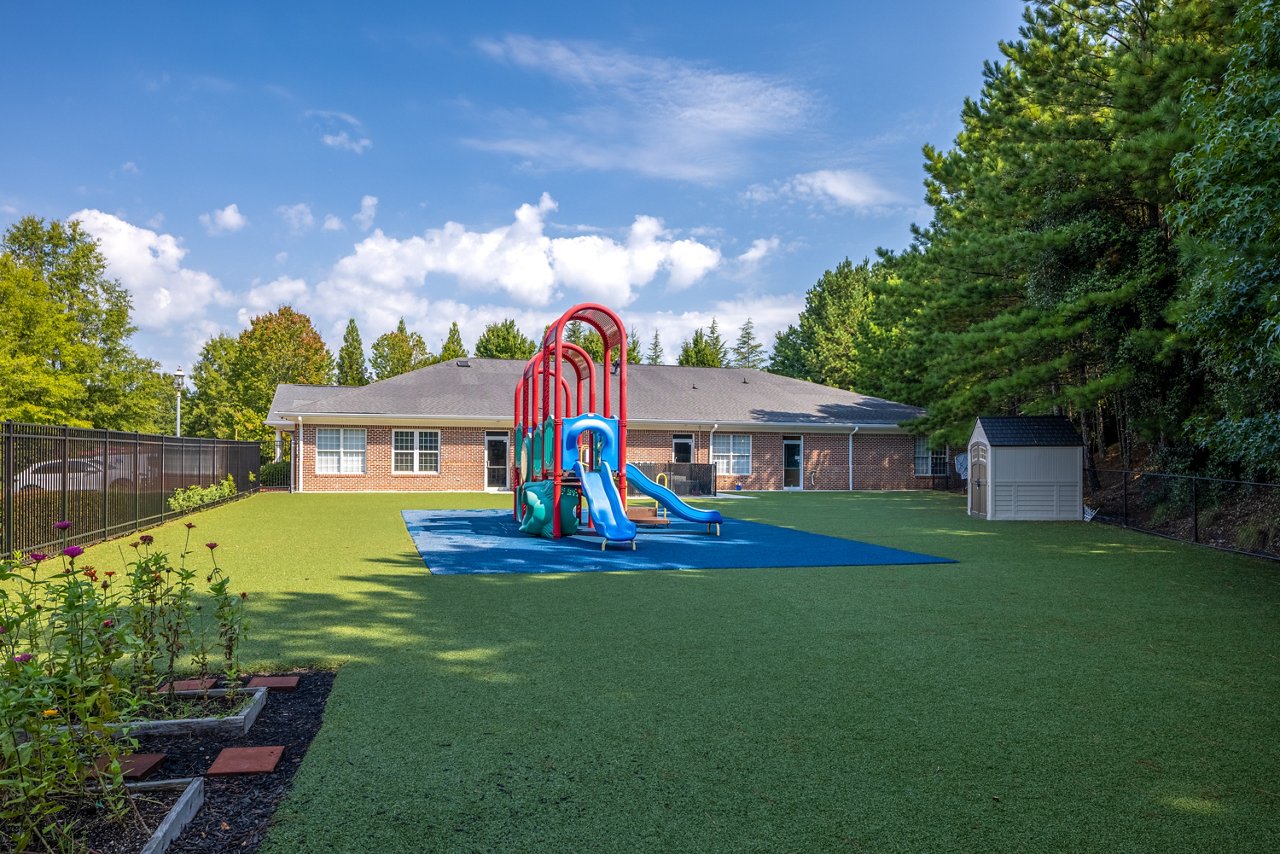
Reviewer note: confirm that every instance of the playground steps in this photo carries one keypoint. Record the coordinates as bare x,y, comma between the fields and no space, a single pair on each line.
647,516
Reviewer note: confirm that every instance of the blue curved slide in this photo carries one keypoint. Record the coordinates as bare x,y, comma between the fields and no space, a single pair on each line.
605,505
670,500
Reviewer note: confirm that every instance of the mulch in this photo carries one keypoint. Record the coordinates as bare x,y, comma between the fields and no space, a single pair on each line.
237,810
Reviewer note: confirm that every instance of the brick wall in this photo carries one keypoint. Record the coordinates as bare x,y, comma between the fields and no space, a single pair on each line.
880,461
462,463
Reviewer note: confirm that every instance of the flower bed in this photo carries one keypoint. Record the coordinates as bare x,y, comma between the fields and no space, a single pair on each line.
81,651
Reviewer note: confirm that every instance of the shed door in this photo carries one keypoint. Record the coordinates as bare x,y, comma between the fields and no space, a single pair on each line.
978,480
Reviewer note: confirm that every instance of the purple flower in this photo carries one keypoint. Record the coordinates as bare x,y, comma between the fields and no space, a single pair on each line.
3,628
22,658
63,525
38,557
72,552
210,546
146,539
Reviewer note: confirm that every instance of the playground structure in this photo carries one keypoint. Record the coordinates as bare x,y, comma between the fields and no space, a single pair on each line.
569,443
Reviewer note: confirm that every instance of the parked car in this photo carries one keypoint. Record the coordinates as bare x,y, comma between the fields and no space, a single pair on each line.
84,475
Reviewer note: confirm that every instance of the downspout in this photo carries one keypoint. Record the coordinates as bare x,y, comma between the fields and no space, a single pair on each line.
851,435
301,467
711,444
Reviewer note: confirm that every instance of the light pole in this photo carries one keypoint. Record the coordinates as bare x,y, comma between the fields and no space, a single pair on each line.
178,377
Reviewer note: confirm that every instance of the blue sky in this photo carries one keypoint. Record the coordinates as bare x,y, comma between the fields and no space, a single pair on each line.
468,162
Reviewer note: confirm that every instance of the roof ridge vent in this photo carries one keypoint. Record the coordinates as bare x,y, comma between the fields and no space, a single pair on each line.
464,363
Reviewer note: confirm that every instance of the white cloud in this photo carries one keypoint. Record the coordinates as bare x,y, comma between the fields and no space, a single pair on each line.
368,210
339,130
281,257
166,296
659,117
769,315
333,223
225,221
156,222
384,276
262,299
298,217
760,248
130,168
841,188
344,142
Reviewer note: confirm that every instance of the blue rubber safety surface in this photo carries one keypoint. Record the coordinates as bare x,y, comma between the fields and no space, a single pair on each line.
485,542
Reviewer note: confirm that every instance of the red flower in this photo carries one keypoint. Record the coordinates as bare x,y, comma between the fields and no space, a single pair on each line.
210,546
190,525
244,595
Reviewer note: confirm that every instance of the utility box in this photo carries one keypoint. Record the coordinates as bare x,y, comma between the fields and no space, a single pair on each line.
1026,467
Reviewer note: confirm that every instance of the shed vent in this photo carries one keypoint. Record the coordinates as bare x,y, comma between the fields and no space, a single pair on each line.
463,363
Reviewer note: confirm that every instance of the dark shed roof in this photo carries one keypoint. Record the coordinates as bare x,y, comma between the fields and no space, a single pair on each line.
1053,431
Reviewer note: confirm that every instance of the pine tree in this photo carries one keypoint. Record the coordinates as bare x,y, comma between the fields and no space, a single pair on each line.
453,347
789,357
716,343
351,363
654,355
748,352
1047,275
699,352
634,356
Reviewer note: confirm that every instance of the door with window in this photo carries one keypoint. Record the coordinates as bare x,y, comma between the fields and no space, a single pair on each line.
792,462
681,447
978,480
495,461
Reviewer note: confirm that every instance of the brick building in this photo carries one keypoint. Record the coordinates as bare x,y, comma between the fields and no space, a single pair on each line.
449,426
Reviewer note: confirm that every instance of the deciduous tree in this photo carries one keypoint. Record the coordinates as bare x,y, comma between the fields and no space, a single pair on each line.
504,341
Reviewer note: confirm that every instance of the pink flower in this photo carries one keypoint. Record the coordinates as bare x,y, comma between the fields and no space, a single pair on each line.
106,624
72,552
22,658
62,525
38,557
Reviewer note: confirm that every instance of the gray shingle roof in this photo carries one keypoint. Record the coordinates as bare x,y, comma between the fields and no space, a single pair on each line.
485,388
1030,430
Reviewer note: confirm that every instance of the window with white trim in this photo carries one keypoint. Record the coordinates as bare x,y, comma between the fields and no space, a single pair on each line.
930,462
731,453
340,450
415,451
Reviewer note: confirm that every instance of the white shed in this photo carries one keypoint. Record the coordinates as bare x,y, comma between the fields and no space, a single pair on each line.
1029,467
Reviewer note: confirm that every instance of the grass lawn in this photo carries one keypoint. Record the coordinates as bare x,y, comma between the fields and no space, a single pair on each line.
1063,687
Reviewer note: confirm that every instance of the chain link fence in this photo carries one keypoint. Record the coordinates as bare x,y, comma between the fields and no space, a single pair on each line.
1233,515
105,482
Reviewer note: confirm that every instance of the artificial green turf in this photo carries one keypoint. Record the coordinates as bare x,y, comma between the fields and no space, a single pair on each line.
1065,686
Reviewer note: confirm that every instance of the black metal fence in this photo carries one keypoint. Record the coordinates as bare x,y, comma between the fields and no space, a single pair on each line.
695,479
106,483
1226,514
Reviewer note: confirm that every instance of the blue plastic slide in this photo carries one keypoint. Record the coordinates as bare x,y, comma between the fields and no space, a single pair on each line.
605,505
670,500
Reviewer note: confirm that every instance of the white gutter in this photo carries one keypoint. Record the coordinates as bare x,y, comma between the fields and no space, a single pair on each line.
640,423
855,430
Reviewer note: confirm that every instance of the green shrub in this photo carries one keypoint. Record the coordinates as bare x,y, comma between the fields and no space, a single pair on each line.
192,497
